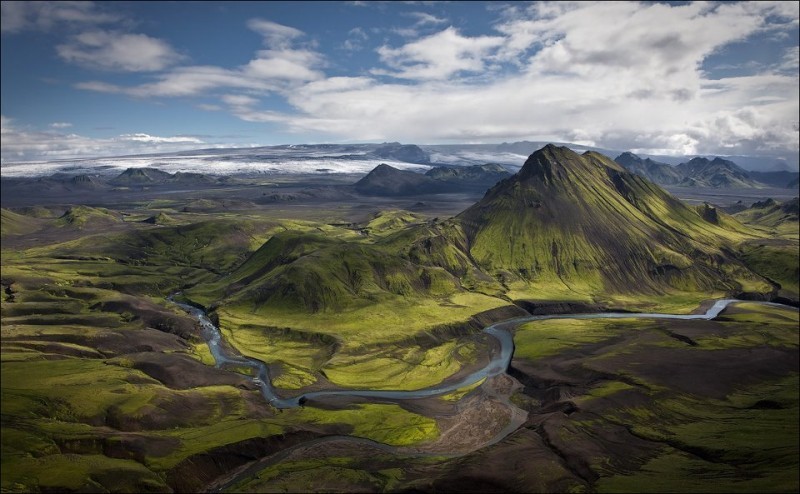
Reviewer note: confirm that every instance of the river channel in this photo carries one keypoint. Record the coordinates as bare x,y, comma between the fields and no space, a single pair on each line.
225,355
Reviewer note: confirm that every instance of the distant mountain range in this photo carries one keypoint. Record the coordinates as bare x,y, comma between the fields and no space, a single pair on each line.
345,158
565,224
385,180
702,172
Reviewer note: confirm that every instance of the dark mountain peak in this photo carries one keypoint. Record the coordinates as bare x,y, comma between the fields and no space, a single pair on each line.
542,163
387,180
767,203
84,182
384,170
627,157
140,175
698,161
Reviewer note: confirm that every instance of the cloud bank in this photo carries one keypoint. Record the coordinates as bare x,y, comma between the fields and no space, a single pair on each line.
619,75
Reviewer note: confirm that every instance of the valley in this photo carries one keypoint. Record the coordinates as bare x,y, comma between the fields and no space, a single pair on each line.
109,386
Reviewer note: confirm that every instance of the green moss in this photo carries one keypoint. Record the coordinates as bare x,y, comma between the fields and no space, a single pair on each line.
776,260
406,368
388,424
461,392
605,389
78,473
538,339
729,437
329,474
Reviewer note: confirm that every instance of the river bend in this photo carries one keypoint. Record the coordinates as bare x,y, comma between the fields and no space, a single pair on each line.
497,365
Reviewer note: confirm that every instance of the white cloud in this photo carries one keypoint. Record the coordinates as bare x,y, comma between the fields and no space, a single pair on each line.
622,75
209,107
118,51
239,100
26,144
424,18
438,56
18,16
275,35
5,125
286,64
355,39
275,69
619,74
791,59
155,139
60,125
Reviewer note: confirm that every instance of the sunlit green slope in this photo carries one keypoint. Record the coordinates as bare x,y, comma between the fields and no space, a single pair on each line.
583,222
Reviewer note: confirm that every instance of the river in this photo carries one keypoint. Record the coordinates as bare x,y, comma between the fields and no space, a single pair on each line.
224,355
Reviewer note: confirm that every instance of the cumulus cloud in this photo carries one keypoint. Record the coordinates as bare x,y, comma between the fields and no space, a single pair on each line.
60,125
110,50
438,56
620,75
274,69
617,74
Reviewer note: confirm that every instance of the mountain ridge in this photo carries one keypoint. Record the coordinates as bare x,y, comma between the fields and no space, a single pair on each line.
566,225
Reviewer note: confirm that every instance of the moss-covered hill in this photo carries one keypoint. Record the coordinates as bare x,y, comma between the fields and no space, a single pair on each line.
585,222
778,218
567,226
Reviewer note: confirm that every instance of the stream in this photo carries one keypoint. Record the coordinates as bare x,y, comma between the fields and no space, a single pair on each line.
224,355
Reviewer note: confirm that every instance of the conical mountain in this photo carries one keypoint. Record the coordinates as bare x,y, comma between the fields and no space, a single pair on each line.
566,227
385,180
583,222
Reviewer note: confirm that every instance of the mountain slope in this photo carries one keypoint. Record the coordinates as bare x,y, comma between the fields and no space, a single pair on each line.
781,218
488,174
782,179
141,176
583,222
385,180
715,173
657,172
566,227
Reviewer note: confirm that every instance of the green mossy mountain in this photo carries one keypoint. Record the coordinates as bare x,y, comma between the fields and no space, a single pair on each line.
12,223
566,225
88,217
782,218
583,220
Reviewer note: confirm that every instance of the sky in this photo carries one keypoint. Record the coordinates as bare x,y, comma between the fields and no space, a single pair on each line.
84,79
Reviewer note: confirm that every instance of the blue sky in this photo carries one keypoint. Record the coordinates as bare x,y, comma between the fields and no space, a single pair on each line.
110,78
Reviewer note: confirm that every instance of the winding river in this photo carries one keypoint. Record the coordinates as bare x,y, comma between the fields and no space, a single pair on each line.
224,355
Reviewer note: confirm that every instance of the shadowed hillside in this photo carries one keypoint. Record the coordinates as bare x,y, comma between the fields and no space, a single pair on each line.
566,226
583,221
